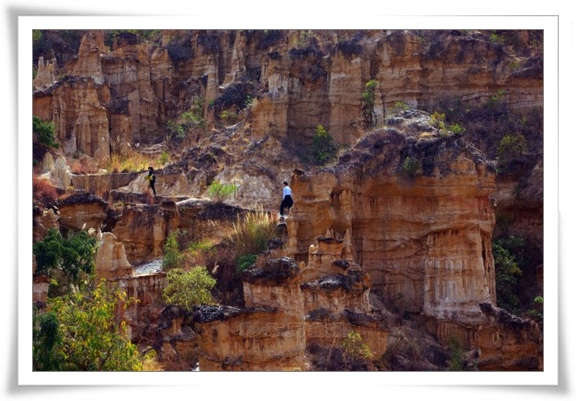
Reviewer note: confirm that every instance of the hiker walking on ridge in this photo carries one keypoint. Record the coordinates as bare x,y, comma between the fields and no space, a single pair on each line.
287,200
151,177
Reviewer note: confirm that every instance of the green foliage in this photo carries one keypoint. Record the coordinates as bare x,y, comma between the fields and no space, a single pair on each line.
355,346
437,120
507,274
455,364
496,100
164,158
189,288
304,38
228,116
220,192
511,146
410,166
400,106
45,132
495,37
81,332
192,119
70,258
245,261
457,129
323,146
368,98
536,312
173,257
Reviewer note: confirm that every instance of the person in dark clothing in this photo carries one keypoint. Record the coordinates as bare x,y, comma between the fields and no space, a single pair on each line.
151,177
287,201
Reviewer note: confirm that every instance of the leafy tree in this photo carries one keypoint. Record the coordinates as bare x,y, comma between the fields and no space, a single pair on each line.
81,332
323,146
69,259
189,288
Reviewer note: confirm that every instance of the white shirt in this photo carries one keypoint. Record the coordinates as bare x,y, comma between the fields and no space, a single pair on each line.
287,191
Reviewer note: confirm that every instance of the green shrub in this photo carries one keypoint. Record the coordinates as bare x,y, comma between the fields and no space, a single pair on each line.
368,98
400,106
496,100
44,130
220,192
410,166
173,256
164,157
457,129
228,116
511,146
456,364
507,275
323,146
245,261
355,346
189,288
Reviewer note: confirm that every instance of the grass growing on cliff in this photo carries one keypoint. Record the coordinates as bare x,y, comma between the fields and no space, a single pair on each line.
130,162
249,237
251,233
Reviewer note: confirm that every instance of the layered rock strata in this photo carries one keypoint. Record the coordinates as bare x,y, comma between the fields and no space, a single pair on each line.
424,236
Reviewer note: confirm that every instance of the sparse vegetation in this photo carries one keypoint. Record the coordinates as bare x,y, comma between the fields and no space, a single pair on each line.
355,346
173,256
178,130
400,106
508,273
411,166
220,192
44,139
368,99
456,355
251,233
129,162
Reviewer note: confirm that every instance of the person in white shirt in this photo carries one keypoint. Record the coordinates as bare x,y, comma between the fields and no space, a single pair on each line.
287,200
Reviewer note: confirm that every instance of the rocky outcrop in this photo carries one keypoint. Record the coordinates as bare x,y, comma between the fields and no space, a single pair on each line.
424,236
81,210
111,261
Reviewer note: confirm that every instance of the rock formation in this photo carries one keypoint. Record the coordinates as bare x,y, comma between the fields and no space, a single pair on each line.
403,221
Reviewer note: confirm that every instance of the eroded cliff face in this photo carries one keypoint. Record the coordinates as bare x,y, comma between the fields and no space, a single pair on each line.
406,216
424,236
280,84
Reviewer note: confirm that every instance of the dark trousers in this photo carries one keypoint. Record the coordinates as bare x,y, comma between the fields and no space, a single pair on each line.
287,203
152,186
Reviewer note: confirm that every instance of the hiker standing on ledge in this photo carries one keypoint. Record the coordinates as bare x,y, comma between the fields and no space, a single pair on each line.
287,200
151,177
